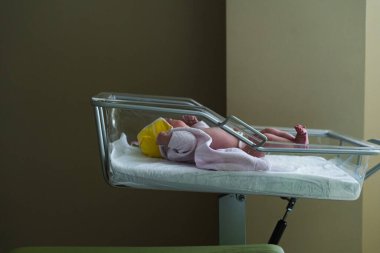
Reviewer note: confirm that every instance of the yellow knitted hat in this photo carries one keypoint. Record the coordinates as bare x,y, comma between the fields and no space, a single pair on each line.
148,135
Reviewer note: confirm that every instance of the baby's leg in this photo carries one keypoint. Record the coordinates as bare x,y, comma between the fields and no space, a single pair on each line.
301,137
277,135
272,135
190,119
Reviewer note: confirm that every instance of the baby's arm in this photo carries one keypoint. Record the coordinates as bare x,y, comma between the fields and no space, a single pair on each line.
177,145
220,138
180,141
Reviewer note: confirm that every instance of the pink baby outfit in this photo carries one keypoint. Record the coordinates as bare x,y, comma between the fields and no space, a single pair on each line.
193,145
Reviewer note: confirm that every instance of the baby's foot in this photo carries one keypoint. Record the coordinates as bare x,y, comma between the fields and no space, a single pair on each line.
190,119
301,137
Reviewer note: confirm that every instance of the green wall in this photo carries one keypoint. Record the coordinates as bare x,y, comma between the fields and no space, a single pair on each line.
54,55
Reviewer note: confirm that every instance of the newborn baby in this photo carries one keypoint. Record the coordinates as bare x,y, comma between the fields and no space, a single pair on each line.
176,139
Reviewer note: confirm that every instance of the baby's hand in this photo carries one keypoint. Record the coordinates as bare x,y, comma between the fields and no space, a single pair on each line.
163,138
190,119
251,151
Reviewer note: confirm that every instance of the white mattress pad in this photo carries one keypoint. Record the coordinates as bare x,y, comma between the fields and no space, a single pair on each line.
289,176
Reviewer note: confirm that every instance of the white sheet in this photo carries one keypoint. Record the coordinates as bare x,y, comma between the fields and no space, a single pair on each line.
291,176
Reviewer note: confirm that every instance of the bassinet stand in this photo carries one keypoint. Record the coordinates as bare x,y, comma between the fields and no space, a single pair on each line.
232,229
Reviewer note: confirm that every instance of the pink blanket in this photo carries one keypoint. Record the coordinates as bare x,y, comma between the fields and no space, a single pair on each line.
193,145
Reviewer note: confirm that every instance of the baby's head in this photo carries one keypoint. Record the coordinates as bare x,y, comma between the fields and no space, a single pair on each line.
148,135
176,123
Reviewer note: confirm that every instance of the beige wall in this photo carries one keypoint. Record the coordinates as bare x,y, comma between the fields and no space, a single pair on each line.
54,55
291,62
284,57
371,200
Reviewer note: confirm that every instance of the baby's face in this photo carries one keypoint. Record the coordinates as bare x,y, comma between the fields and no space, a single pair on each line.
176,123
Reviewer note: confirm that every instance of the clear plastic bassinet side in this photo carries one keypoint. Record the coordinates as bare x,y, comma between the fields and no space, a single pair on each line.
122,116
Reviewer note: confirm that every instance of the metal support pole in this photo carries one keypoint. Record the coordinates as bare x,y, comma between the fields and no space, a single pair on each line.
232,219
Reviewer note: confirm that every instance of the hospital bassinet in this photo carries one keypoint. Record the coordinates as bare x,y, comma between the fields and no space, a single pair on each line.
332,166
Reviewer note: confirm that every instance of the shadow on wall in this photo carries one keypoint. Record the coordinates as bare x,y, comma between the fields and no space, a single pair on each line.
55,56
